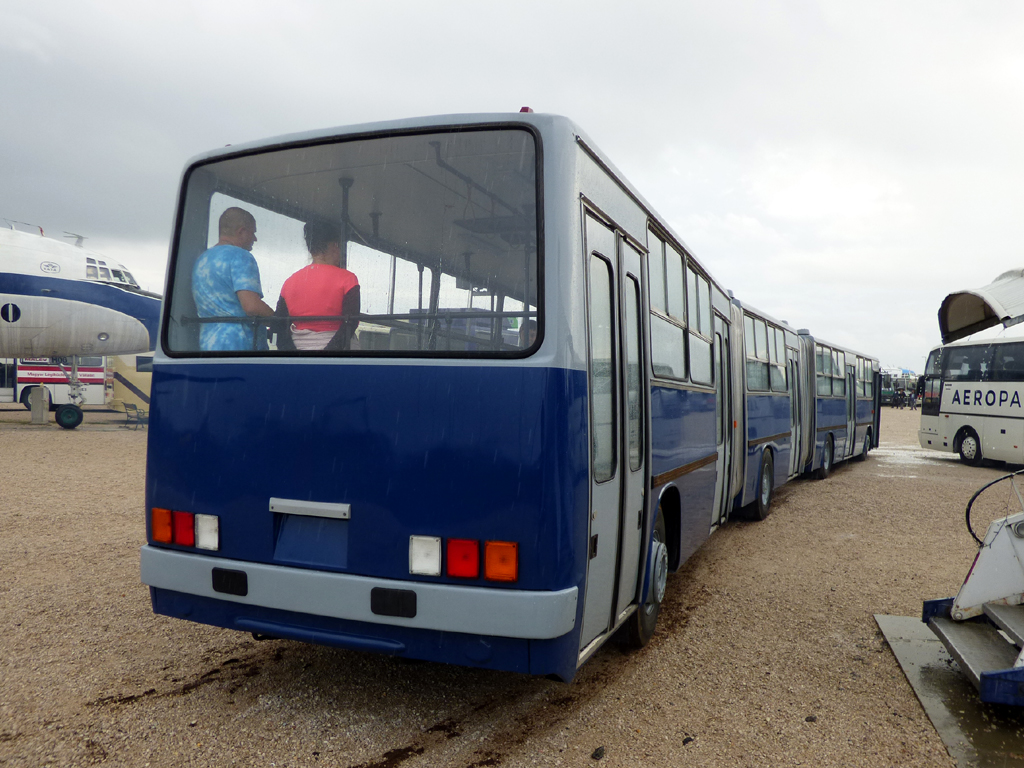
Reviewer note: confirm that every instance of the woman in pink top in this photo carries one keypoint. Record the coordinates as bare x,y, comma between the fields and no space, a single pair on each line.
324,288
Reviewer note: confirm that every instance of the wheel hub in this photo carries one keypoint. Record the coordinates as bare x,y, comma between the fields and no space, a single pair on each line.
660,575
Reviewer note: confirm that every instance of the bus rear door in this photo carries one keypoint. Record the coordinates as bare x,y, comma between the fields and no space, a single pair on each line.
617,418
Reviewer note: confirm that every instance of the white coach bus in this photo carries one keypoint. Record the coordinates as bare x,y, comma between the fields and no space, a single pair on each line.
974,400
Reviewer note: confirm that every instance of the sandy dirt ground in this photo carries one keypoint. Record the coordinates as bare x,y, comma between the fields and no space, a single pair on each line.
766,653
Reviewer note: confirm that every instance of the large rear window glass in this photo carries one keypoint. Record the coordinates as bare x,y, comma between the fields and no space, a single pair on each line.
398,245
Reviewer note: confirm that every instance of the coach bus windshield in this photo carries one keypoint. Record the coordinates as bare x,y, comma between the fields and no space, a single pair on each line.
422,245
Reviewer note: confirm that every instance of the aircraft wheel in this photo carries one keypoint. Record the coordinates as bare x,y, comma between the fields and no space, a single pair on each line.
69,416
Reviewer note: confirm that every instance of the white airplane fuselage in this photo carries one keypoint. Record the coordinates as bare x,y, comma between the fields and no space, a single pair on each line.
57,299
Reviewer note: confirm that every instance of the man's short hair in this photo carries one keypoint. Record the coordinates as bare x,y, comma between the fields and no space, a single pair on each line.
234,218
320,234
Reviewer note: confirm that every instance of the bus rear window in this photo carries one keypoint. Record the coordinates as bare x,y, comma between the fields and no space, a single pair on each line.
422,245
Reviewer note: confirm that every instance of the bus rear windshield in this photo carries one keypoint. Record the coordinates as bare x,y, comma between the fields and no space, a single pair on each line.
423,244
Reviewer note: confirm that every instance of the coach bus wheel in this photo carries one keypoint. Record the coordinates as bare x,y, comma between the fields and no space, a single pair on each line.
643,621
826,460
766,487
69,416
970,448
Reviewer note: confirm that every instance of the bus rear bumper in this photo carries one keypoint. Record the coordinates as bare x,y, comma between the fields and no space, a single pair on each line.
523,614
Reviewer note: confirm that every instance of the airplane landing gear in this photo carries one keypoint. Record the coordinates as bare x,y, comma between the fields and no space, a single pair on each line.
68,416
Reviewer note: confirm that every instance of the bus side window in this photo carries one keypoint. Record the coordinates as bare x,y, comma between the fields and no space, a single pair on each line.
1008,364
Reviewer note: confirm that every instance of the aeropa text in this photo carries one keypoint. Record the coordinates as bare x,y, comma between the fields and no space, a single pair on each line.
986,397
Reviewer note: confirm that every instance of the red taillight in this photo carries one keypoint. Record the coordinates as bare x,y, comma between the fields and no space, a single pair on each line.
160,525
464,558
184,529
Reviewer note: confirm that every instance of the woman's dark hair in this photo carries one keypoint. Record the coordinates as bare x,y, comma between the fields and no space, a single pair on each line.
320,234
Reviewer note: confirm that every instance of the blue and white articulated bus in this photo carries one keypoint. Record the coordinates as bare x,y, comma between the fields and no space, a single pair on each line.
453,486
805,405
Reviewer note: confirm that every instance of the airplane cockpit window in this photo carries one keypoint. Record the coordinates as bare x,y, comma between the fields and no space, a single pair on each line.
91,273
422,245
104,273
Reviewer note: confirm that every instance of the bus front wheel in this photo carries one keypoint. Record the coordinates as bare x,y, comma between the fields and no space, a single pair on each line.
826,460
970,448
643,621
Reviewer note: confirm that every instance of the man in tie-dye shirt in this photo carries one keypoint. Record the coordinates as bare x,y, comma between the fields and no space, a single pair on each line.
226,283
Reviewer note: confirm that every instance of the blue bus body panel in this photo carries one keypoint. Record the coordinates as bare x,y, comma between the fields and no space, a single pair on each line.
453,451
768,415
683,433
830,418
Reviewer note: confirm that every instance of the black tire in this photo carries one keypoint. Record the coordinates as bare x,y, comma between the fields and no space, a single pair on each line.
640,626
69,416
762,506
28,406
867,447
970,448
826,460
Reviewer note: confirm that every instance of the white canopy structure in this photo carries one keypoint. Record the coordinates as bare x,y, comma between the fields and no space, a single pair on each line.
967,312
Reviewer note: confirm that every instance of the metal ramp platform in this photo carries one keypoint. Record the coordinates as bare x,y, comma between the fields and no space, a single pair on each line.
987,647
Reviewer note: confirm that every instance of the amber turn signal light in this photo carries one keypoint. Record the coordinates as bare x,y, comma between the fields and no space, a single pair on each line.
160,525
501,561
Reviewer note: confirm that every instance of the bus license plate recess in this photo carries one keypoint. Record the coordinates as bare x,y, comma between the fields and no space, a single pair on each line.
312,533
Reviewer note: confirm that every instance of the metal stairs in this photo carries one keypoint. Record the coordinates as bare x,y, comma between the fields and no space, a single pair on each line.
987,647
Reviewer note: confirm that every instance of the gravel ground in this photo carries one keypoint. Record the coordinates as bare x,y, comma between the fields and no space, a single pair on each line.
766,654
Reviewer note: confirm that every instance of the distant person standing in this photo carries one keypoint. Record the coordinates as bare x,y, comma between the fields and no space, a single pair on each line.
226,283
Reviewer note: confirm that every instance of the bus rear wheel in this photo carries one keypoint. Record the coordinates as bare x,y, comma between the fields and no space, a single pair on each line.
69,416
970,448
765,488
826,460
867,447
640,626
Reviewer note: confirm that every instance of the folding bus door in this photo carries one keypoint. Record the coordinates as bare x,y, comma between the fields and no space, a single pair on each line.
851,411
723,423
634,423
617,418
795,425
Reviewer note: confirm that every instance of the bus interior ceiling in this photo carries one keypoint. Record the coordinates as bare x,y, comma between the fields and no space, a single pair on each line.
376,191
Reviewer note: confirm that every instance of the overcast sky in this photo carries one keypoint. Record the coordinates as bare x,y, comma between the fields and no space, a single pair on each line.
840,165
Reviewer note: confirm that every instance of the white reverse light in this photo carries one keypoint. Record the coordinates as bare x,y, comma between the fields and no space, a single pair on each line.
425,555
207,532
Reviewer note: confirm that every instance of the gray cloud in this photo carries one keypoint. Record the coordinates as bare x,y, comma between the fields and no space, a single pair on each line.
843,166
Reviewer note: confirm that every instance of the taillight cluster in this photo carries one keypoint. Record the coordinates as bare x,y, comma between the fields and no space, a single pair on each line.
184,528
462,558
